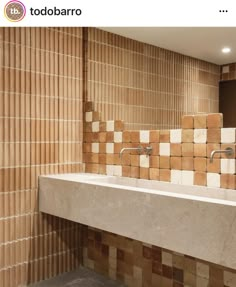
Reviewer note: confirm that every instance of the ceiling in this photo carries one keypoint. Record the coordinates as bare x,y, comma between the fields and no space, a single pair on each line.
202,43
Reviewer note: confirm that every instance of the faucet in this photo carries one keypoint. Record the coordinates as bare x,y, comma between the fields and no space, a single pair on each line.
139,149
228,151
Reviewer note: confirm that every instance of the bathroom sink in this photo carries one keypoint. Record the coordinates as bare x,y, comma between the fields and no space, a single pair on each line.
193,220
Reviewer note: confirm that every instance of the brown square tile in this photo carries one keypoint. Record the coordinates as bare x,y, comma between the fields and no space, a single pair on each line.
102,137
147,252
102,169
155,148
119,125
187,135
178,275
135,159
187,163
200,164
87,147
228,181
156,253
167,271
165,162
200,121
213,166
102,126
144,173
109,159
176,162
187,122
126,159
102,158
215,121
134,137
117,147
102,147
156,267
175,149
126,171
187,149
165,136
200,178
211,147
164,175
95,137
126,137
200,150
154,161
109,136
134,171
89,106
88,127
224,146
213,135
154,173
154,136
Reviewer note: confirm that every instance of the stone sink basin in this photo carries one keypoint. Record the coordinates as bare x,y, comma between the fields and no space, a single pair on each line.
193,220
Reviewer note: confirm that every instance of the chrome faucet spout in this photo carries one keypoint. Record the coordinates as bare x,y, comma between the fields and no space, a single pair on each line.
139,149
228,151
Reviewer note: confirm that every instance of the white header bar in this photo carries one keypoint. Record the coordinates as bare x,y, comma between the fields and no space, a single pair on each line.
136,13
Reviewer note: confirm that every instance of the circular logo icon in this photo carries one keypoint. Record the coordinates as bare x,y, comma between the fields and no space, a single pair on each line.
14,11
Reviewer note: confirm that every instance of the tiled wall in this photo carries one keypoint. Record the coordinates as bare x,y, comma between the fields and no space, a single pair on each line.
179,156
40,133
228,72
140,265
146,86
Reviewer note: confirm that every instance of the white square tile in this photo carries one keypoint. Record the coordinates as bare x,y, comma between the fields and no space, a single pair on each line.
118,137
95,147
200,136
95,126
110,126
109,147
227,165
165,149
202,270
88,116
144,136
213,179
166,258
187,177
117,170
144,161
176,136
229,279
110,169
176,176
227,135
225,69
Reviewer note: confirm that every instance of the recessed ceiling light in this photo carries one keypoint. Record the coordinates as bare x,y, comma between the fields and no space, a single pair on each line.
226,50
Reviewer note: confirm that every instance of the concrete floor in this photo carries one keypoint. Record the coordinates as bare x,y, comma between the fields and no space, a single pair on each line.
81,277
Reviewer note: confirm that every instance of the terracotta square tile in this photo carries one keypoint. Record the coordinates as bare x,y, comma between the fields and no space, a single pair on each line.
134,171
154,161
102,126
126,159
92,168
119,125
157,268
88,137
200,150
187,122
117,147
211,147
200,121
154,136
102,158
165,136
187,149
155,148
134,136
165,175
175,149
154,173
164,162
109,159
87,147
95,137
178,275
214,166
213,135
215,121
109,136
200,164
144,173
187,163
88,127
187,135
126,171
200,178
228,181
89,106
102,147
126,136
134,160
176,162
102,137
167,271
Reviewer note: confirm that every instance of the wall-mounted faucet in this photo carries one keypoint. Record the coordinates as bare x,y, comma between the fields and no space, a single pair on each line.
228,151
139,149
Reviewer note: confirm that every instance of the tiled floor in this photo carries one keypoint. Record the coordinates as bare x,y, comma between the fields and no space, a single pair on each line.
81,277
